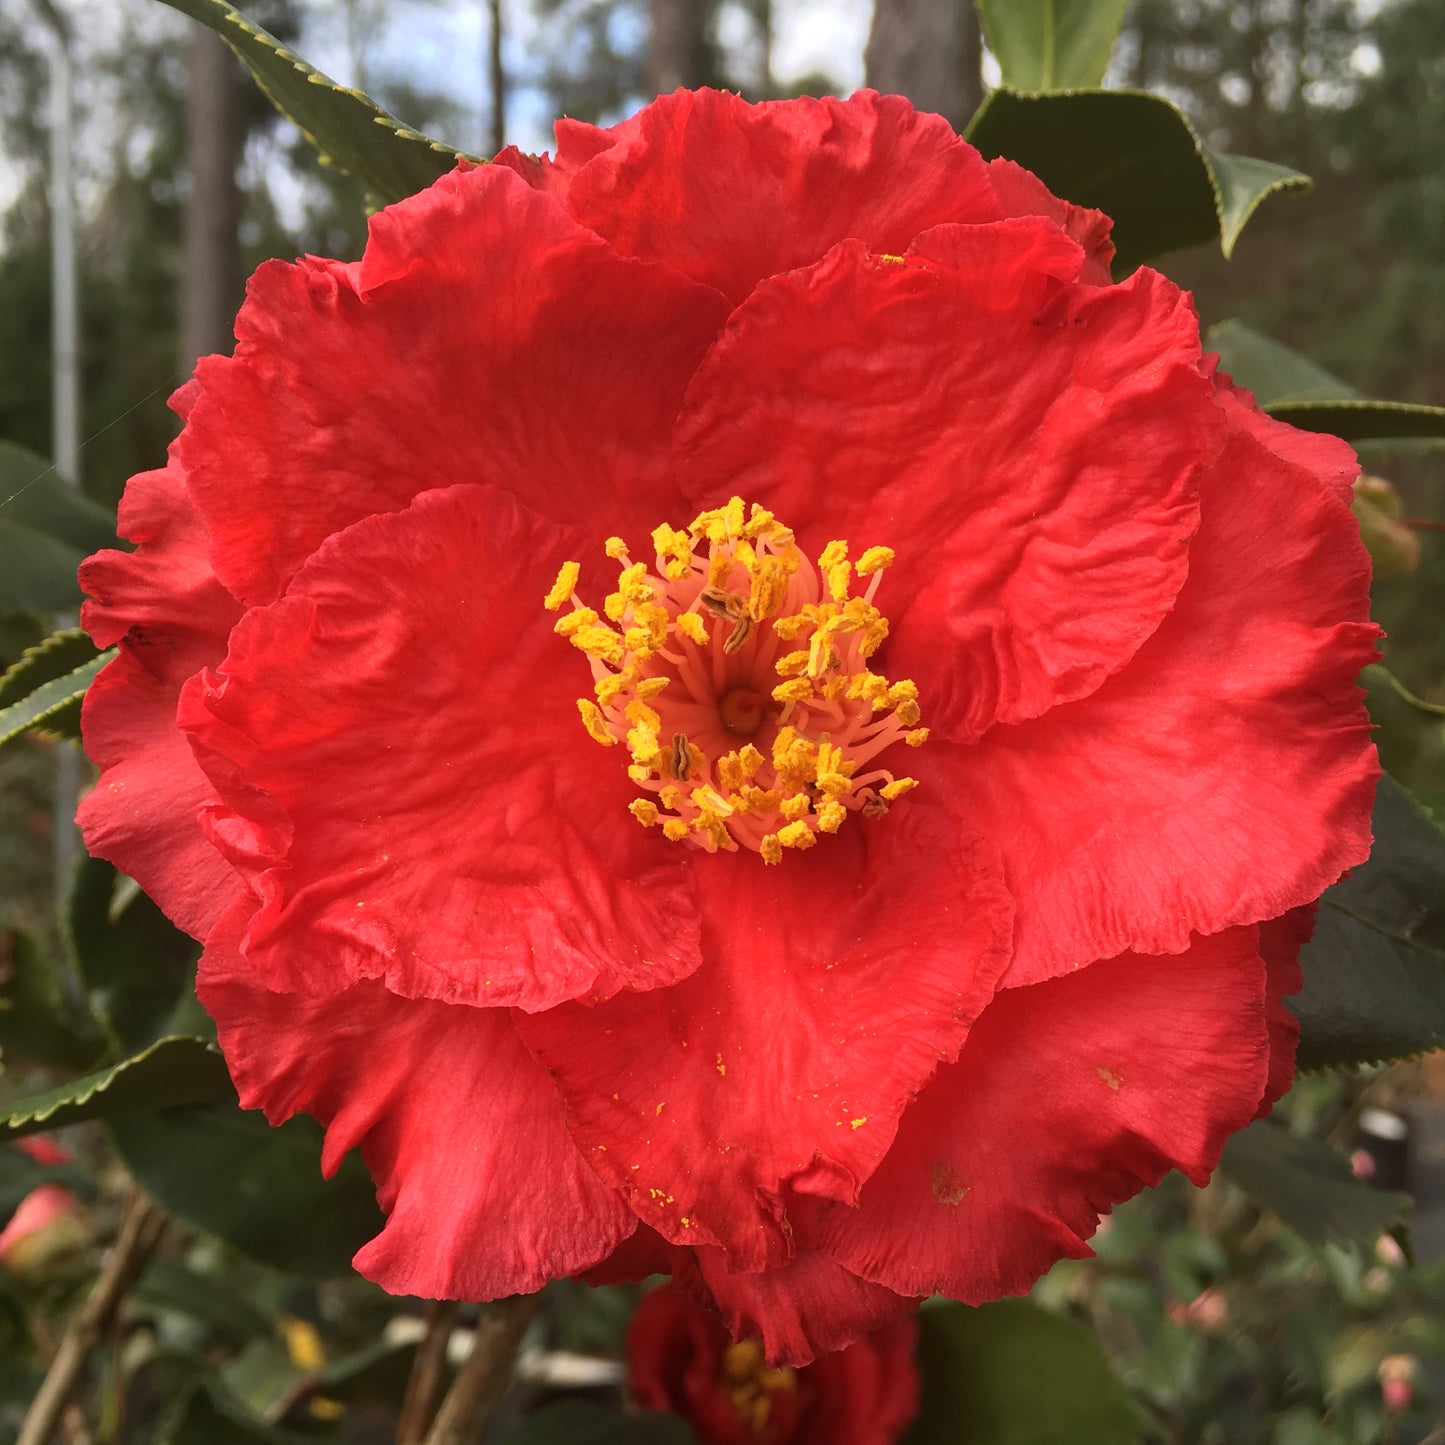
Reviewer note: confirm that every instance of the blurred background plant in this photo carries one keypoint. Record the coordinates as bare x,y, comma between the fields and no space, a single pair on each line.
181,1269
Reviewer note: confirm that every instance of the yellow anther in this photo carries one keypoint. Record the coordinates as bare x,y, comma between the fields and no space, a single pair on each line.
822,655
896,789
916,738
794,691
674,551
771,849
649,687
563,587
600,642
615,548
751,760
831,816
708,797
906,690
594,722
875,559
638,712
791,664
611,687
836,551
795,807
797,835
760,520
839,576
870,686
692,626
645,811
574,621
674,829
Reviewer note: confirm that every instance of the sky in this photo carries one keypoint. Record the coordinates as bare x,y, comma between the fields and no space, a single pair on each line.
436,44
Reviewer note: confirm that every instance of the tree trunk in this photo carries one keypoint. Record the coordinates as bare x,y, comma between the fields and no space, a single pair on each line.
213,210
930,51
499,80
677,46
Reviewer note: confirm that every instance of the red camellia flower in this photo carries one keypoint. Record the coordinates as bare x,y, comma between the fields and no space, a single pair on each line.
681,1358
726,703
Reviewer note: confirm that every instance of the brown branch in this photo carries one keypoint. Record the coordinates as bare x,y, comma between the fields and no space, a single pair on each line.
140,1232
1422,524
484,1377
426,1372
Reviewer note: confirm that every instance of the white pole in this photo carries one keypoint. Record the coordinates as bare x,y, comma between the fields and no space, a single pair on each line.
65,378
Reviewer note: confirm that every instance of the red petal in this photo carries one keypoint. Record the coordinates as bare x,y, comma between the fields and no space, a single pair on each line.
162,603
729,193
485,337
1280,940
1022,193
865,1394
461,1129
1030,448
1069,1097
1226,774
834,984
1329,458
805,1308
407,785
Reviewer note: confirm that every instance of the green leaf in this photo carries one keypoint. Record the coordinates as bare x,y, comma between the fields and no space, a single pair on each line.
1363,421
174,1070
208,1416
47,528
227,1172
348,129
577,1422
134,962
982,1370
1297,390
1273,371
1375,969
168,1285
1136,158
56,655
1051,44
54,706
1309,1185
38,1024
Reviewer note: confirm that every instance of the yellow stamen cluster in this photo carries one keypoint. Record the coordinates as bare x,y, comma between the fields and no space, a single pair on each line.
751,1384
694,652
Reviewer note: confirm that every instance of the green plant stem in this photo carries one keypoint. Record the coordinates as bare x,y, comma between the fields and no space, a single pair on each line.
484,1377
140,1232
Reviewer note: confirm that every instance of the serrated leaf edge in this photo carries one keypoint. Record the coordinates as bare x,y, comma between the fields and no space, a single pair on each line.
67,688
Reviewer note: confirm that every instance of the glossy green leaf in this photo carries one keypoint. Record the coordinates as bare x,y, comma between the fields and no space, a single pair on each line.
349,130
227,1172
1297,390
1273,371
1011,1373
1375,969
54,706
134,962
1135,157
578,1422
1363,421
1309,1185
52,658
47,528
1051,44
174,1070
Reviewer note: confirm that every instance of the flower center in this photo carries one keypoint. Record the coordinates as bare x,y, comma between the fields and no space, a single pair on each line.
750,1385
736,674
